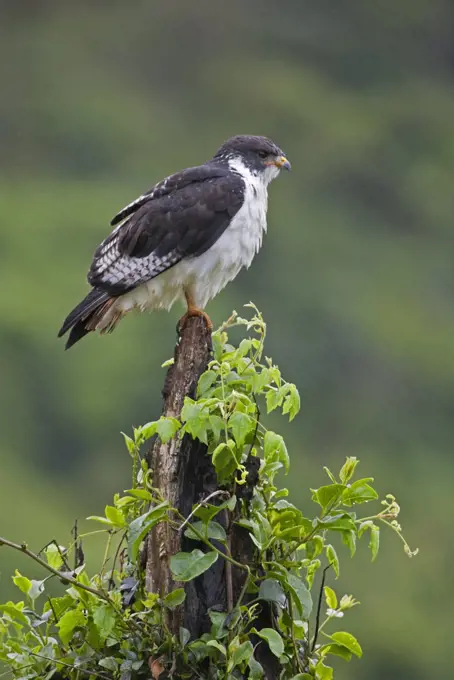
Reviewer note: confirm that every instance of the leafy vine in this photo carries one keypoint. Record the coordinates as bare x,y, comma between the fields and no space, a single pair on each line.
105,625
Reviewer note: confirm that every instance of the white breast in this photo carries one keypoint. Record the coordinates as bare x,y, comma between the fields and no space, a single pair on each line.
237,246
205,276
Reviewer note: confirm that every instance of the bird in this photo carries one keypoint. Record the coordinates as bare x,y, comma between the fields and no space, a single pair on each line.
183,239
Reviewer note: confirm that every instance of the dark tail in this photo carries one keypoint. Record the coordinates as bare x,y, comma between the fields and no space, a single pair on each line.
82,319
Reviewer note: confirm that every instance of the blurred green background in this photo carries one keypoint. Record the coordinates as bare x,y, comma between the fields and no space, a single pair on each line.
101,99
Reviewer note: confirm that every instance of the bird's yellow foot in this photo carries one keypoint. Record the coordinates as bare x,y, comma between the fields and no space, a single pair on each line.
195,311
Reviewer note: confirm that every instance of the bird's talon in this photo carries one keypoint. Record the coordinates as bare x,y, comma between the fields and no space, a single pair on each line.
195,311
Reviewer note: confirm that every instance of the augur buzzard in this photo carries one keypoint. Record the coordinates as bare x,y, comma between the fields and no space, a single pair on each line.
184,239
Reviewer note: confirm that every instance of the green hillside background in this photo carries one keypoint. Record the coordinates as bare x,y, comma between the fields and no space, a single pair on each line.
101,99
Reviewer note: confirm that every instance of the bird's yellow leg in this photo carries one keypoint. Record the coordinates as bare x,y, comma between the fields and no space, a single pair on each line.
193,310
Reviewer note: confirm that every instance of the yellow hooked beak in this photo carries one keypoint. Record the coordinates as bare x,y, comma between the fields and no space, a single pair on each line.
282,163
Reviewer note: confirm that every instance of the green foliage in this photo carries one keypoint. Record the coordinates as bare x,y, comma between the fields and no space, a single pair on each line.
106,625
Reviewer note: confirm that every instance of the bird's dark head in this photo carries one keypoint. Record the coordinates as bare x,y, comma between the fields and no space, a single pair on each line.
260,155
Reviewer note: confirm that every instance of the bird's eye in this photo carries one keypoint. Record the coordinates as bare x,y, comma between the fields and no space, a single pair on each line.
263,154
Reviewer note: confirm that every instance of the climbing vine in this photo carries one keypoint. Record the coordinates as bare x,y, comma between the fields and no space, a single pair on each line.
106,625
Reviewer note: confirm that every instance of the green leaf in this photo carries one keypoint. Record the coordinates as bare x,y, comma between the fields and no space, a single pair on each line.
196,419
295,532
274,449
337,650
205,381
374,542
217,425
262,532
256,669
115,516
348,469
14,609
218,630
349,538
187,566
104,619
139,527
73,618
330,474
224,459
314,547
292,402
260,380
60,605
82,577
184,636
273,400
329,495
349,641
146,431
54,555
190,411
311,569
199,649
101,520
212,530
141,494
302,676
241,425
331,556
339,522
217,645
130,444
271,591
240,654
36,588
281,494
167,428
330,597
175,598
109,663
359,492
218,346
274,640
208,511
22,582
323,672
300,595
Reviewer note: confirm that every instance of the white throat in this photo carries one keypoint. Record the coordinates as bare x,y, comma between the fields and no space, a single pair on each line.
264,177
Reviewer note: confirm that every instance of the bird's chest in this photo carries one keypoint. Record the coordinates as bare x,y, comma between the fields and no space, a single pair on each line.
236,247
243,237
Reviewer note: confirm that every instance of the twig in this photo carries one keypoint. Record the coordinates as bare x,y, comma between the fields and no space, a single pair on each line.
70,665
219,492
202,538
292,634
105,559
228,567
319,607
244,588
61,575
117,552
60,552
227,324
51,605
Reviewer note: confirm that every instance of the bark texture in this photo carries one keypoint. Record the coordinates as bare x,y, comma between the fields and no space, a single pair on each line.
183,472
171,463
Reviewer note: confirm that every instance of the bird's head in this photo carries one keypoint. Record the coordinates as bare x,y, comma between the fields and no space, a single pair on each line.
260,155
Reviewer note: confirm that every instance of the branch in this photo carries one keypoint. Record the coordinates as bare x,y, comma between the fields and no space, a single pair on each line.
64,576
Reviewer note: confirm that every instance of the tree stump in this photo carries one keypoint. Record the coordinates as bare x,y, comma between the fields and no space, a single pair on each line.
185,476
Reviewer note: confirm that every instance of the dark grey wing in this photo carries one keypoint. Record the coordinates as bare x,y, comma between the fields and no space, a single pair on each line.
183,222
166,186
